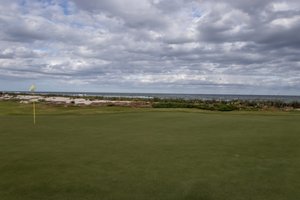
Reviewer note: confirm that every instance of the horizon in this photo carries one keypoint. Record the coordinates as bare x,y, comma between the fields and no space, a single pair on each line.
151,46
154,93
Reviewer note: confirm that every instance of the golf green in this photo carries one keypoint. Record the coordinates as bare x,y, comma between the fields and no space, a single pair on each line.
130,153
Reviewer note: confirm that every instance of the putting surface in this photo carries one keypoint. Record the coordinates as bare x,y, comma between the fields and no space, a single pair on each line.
126,153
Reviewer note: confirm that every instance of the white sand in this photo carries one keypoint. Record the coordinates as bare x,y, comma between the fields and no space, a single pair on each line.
63,100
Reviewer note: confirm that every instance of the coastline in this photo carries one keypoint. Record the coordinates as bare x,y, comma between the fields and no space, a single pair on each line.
149,96
125,101
71,100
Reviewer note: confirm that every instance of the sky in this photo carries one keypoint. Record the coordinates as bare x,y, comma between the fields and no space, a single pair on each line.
156,46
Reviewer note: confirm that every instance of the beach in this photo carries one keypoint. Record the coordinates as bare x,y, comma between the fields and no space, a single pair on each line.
25,99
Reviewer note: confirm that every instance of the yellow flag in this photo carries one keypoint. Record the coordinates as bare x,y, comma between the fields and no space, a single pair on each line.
32,88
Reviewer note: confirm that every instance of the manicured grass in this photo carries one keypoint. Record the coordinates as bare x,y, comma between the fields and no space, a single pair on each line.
125,153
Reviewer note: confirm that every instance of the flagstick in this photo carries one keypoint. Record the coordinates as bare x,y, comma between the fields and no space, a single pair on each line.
34,113
32,89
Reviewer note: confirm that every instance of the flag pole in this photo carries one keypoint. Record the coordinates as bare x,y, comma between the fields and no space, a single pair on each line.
32,89
33,112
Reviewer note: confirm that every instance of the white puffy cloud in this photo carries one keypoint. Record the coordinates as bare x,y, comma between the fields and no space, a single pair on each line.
151,45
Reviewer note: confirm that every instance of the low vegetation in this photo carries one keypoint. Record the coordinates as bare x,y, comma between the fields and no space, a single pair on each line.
220,105
212,105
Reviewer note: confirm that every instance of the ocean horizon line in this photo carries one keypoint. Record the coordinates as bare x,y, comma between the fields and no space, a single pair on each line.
151,93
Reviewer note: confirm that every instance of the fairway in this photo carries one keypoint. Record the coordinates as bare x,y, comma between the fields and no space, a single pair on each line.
129,153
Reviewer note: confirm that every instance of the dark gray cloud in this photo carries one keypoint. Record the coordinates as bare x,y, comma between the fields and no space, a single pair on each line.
152,45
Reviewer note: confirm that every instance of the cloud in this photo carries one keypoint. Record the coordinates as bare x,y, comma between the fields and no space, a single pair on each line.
152,45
